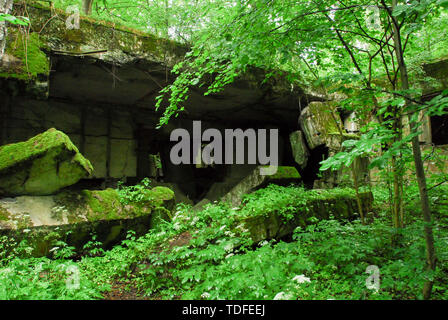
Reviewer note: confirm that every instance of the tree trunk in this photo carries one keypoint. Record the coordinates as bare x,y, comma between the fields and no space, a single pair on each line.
5,7
419,169
358,197
87,6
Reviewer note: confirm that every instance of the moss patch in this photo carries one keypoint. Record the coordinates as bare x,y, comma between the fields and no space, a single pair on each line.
104,205
322,114
11,154
162,193
284,172
33,61
107,204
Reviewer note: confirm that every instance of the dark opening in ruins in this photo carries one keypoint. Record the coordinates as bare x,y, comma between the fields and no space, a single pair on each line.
205,177
311,171
439,129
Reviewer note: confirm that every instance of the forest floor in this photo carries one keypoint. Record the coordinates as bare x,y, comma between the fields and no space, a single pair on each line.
125,291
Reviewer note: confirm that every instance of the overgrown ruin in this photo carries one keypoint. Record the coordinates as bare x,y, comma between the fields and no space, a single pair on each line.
98,84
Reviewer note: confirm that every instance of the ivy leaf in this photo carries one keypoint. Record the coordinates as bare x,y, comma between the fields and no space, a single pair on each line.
399,10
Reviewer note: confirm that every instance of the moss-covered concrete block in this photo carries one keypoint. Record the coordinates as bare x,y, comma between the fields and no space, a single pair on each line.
319,122
73,216
42,165
320,204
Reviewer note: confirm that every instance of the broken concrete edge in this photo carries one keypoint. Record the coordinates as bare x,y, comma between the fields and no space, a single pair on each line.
80,215
71,207
299,148
104,35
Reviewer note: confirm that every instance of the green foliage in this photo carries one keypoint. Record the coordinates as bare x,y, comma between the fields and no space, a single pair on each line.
22,21
256,275
209,255
288,202
343,252
25,278
135,194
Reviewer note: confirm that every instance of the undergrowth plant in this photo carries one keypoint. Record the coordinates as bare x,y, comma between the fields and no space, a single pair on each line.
209,254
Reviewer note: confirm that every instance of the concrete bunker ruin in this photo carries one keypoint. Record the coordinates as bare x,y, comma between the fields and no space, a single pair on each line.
99,88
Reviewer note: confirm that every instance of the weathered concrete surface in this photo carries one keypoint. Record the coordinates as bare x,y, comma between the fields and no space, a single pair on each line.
108,63
103,40
320,123
299,149
73,216
438,70
42,165
254,181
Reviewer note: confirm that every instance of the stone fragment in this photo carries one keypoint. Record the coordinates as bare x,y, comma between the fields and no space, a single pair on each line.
299,148
73,216
42,165
319,122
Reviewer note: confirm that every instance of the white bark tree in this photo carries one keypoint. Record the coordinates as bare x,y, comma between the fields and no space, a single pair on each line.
5,7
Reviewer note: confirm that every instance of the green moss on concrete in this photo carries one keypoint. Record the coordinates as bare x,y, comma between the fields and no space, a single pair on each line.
162,193
11,154
120,43
107,205
26,48
104,205
293,201
322,114
41,165
96,34
92,211
284,172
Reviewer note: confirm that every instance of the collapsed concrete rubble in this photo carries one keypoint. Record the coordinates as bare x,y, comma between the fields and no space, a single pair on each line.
36,206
